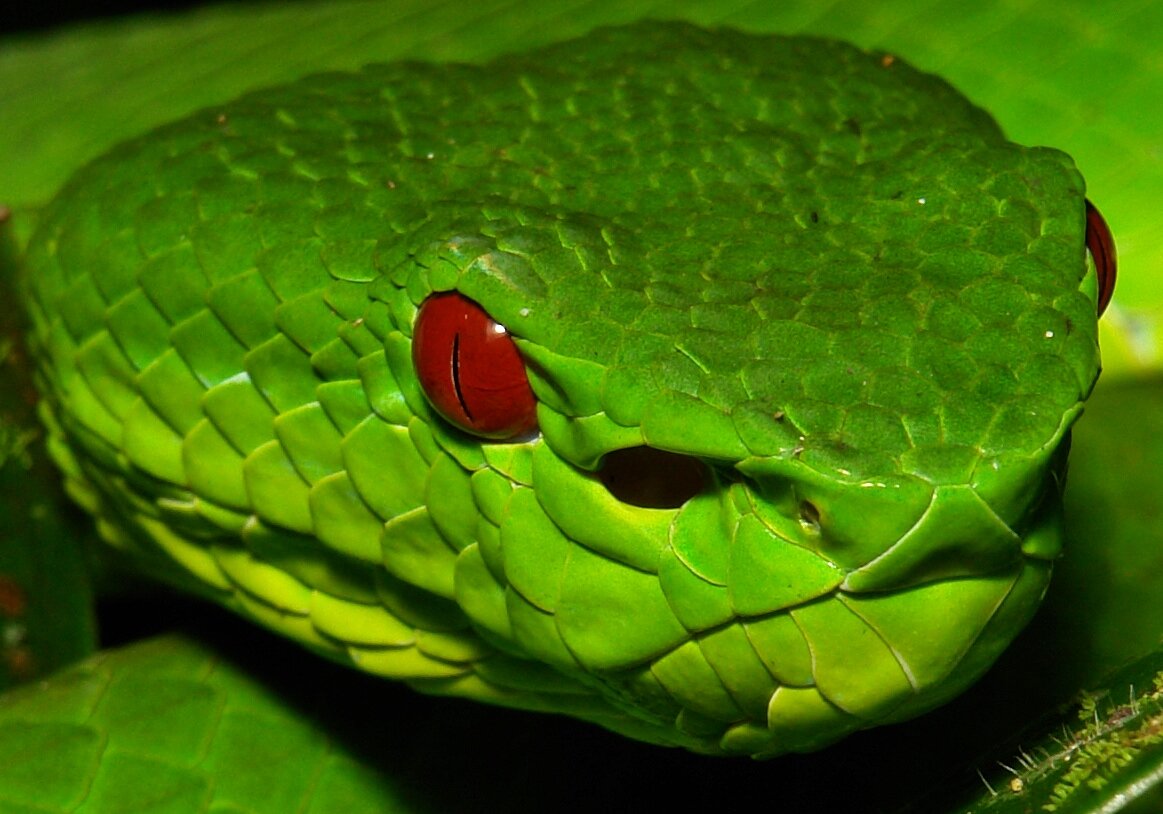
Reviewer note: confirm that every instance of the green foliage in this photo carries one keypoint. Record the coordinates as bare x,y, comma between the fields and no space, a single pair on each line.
1104,750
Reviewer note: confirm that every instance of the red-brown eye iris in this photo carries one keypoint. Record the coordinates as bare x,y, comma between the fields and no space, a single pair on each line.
1101,244
470,370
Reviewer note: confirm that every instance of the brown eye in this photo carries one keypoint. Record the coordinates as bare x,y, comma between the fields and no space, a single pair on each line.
470,370
1101,244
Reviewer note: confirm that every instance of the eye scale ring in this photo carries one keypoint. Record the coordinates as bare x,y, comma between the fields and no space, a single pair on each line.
470,369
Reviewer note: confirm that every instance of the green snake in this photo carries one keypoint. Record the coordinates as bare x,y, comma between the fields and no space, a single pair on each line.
781,448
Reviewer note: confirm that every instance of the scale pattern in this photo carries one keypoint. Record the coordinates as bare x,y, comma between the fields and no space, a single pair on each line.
823,274
159,727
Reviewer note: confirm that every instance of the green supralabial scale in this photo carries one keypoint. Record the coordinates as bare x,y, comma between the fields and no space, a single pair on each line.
823,274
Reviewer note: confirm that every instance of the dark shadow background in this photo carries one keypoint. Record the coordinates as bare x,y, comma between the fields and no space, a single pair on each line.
17,17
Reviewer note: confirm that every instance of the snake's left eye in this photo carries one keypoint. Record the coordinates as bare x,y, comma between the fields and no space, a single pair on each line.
470,369
1101,245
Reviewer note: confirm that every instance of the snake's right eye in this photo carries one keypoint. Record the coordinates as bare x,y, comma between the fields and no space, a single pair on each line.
470,369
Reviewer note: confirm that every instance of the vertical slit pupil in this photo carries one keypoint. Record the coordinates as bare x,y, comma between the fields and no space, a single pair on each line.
456,376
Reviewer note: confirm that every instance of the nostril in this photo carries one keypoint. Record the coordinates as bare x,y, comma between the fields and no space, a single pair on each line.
809,516
652,479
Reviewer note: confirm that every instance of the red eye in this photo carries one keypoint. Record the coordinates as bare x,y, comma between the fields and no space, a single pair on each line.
470,369
1101,244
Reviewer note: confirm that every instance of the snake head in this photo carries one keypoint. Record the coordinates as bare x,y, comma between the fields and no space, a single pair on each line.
758,562
725,406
